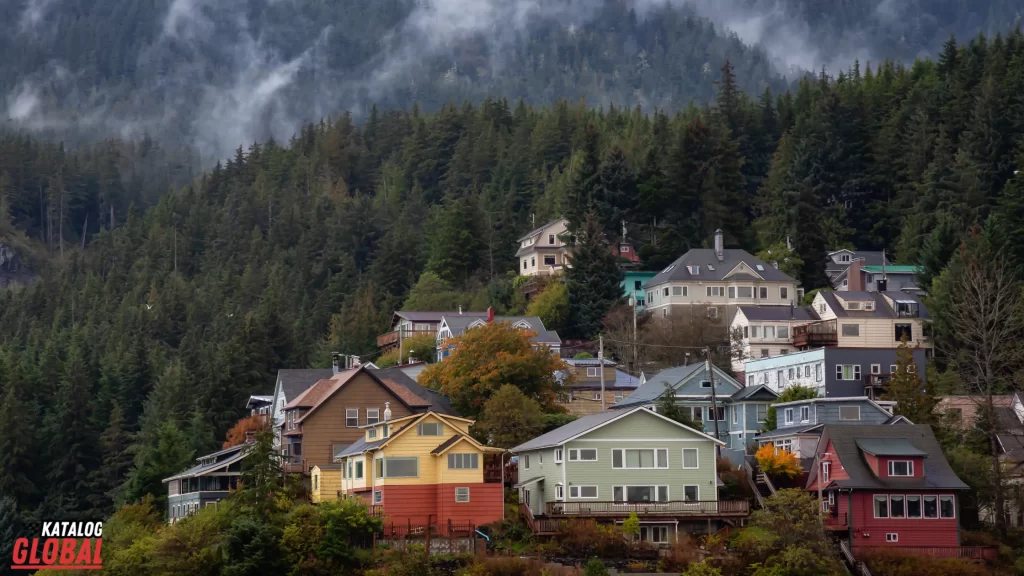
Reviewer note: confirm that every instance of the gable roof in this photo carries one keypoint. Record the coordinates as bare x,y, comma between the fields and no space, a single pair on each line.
394,377
888,447
234,454
870,259
882,308
536,231
678,271
296,381
458,324
654,387
434,316
325,389
587,424
779,313
759,392
360,446
938,474
893,269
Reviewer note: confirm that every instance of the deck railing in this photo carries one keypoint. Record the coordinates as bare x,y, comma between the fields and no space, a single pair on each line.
294,465
670,508
824,333
538,525
391,338
836,522
969,552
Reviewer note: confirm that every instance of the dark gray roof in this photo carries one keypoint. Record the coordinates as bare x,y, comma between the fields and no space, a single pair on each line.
436,316
937,473
530,481
791,431
882,308
295,382
438,402
536,231
588,362
655,386
574,428
897,419
360,446
446,444
754,392
1008,421
888,447
779,313
459,322
232,455
869,258
678,271
625,380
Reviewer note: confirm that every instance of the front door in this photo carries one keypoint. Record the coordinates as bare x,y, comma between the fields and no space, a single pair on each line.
526,499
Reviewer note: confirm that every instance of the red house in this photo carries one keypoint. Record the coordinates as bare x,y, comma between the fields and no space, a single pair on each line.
889,487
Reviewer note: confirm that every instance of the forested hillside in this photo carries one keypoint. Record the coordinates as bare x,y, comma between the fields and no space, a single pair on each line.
140,349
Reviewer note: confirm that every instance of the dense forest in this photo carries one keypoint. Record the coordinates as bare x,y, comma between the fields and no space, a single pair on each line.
149,339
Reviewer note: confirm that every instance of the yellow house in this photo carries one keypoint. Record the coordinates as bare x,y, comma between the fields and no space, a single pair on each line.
425,468
325,483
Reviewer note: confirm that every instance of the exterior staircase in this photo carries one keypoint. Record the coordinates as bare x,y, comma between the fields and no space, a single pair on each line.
763,487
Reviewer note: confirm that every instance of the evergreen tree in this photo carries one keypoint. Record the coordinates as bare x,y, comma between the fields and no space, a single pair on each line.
17,437
106,481
73,443
907,389
592,280
170,455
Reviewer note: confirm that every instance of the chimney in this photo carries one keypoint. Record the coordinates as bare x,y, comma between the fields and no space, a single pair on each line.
387,411
854,279
460,308
719,245
490,314
335,362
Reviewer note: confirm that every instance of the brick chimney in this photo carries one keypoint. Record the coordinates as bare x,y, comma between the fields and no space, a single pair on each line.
854,279
719,245
490,314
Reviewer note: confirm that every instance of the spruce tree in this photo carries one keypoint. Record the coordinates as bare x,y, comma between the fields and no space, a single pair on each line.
17,445
592,280
907,389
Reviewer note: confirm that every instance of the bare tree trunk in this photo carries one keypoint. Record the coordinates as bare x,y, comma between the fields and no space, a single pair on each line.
85,230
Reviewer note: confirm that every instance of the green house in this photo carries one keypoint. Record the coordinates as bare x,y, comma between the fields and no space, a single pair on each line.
632,285
607,465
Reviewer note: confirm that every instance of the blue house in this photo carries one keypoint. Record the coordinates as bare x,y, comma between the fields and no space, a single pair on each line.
740,411
633,285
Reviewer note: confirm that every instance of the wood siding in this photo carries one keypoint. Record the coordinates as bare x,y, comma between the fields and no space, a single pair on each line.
420,504
871,531
324,485
326,427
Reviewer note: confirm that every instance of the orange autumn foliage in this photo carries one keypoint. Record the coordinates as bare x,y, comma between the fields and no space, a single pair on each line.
254,423
777,462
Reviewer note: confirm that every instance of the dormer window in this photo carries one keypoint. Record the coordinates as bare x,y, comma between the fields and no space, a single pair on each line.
853,305
901,468
694,270
624,249
711,268
869,306
371,434
844,257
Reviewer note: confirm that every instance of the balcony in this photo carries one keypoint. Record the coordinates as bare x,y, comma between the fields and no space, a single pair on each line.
875,384
294,465
697,508
967,552
816,334
836,522
391,338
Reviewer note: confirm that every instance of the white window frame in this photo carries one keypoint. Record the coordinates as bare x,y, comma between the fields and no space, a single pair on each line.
654,450
576,455
596,396
920,506
350,414
876,368
677,291
805,410
903,514
526,461
550,257
712,311
783,292
939,504
593,371
854,372
910,468
657,487
551,239
874,505
414,458
739,296
826,471
438,426
559,491
854,328
697,486
841,419
696,452
654,534
577,489
757,413
721,412
788,415
458,496
892,537
376,415
735,414
378,496
558,455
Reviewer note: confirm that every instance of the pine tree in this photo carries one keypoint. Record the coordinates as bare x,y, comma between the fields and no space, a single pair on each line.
616,193
73,446
907,389
17,446
455,244
586,181
170,455
1007,222
108,479
809,240
592,280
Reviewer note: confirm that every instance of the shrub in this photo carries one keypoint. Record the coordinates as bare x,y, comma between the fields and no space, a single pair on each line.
684,551
777,462
702,569
587,538
595,568
903,563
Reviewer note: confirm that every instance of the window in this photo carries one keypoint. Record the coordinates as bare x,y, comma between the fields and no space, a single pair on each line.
892,536
744,292
783,331
430,429
817,372
755,331
931,508
338,449
691,493
735,414
846,282
525,266
316,482
596,396
712,312
378,496
765,353
549,260
359,470
372,415
721,413
807,371
847,371
786,444
526,461
640,458
386,430
533,261
705,384
869,305
640,493
695,270
947,509
732,292
696,413
853,305
558,455
690,461
790,374
462,494
789,415
559,492
654,534
831,498
762,412
893,368
784,292
583,455
588,492
551,238
826,470
715,291
881,506
593,372
677,290
910,368
769,331
463,461
401,467
664,291
849,413
904,330
805,413
844,257
901,468
351,417
624,248
876,368
913,506
750,379
897,507
763,292
851,329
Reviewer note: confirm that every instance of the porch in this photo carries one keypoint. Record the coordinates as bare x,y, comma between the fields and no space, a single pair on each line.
816,334
672,508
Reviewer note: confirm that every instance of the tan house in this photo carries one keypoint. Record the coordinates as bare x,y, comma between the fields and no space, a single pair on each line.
964,409
718,281
864,320
326,418
544,251
582,381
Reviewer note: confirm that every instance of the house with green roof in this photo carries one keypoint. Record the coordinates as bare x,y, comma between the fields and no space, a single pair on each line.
863,276
608,465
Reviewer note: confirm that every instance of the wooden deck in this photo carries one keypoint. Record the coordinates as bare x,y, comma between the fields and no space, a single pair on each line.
674,508
837,522
966,552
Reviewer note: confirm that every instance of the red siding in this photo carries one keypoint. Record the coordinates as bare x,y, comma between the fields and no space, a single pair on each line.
871,531
836,470
418,504
872,462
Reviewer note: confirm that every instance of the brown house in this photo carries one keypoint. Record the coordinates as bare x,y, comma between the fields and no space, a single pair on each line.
325,418
582,385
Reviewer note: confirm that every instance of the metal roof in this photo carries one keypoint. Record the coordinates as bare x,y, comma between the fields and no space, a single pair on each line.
888,447
458,324
679,271
241,449
893,269
536,231
779,313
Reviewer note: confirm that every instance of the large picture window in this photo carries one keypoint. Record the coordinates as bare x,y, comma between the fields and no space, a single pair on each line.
640,458
401,467
583,455
640,493
463,461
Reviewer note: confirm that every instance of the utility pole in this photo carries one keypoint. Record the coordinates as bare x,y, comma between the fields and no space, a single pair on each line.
714,397
636,361
600,360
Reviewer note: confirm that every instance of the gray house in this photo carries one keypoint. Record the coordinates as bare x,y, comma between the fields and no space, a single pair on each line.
740,411
609,464
833,372
209,482
453,326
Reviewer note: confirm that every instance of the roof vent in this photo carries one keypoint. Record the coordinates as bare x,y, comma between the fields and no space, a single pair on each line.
387,411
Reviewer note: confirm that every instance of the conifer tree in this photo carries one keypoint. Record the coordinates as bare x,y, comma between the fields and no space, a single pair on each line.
16,439
592,280
907,389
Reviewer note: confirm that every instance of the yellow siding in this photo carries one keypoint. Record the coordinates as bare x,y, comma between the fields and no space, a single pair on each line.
432,469
348,483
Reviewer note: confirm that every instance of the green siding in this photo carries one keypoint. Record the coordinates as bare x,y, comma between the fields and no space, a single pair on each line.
639,425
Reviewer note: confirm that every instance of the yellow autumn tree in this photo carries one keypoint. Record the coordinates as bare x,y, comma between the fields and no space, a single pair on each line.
777,462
